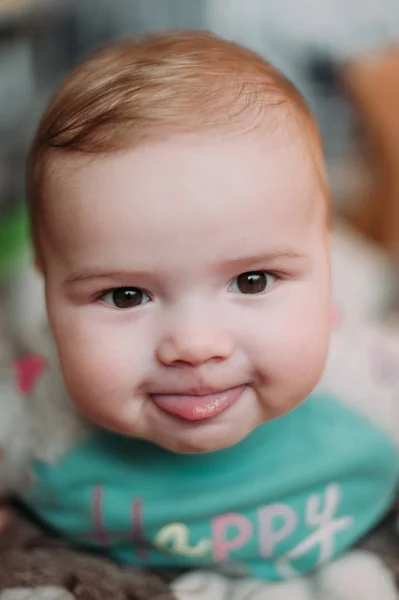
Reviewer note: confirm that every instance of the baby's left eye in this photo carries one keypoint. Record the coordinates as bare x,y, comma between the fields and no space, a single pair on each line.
125,297
253,282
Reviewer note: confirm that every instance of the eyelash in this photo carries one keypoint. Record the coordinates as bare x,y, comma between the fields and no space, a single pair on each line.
277,275
98,296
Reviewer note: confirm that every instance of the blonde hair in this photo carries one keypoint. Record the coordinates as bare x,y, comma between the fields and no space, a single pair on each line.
151,87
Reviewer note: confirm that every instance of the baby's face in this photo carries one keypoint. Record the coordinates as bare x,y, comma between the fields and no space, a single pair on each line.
188,286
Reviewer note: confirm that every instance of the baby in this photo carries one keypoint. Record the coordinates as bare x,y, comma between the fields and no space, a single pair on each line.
180,219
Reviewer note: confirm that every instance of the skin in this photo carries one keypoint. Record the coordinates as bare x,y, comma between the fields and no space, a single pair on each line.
182,219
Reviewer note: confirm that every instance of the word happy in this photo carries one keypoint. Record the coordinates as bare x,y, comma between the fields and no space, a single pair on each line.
229,536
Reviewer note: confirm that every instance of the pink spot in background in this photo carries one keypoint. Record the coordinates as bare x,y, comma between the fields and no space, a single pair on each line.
28,370
384,365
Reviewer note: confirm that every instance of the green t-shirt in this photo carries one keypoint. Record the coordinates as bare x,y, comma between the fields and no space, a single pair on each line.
296,492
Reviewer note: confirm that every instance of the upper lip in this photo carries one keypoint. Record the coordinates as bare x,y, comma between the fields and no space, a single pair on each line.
198,390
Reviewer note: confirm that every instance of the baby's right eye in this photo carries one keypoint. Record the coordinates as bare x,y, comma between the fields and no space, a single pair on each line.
125,297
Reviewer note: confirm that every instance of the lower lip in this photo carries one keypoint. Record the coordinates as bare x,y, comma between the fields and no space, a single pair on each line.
197,408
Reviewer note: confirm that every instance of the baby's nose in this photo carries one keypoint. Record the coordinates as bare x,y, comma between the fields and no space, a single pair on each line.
194,346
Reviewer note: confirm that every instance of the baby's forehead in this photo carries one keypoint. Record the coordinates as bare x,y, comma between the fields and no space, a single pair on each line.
179,184
292,144
285,129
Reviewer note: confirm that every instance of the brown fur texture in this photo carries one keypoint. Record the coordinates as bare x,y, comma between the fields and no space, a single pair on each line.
384,542
31,558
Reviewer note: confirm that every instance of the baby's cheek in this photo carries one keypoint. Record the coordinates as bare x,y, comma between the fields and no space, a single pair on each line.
306,366
290,362
87,376
308,347
93,367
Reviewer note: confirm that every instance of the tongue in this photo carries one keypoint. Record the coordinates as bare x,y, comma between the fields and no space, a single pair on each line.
196,408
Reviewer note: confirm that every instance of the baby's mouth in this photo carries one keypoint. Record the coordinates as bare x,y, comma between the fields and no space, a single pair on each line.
197,407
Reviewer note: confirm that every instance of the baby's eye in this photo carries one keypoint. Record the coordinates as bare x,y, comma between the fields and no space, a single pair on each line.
125,297
253,282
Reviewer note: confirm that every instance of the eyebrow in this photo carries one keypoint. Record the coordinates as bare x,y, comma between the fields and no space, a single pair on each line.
259,259
239,262
94,274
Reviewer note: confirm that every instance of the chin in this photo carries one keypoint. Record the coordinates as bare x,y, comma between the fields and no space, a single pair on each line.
197,446
203,439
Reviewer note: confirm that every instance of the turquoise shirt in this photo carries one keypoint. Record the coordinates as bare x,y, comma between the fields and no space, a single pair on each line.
298,491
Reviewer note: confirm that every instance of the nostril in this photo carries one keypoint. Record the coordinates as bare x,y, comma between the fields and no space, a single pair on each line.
181,363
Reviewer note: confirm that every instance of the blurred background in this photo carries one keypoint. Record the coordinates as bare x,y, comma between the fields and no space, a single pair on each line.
343,56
